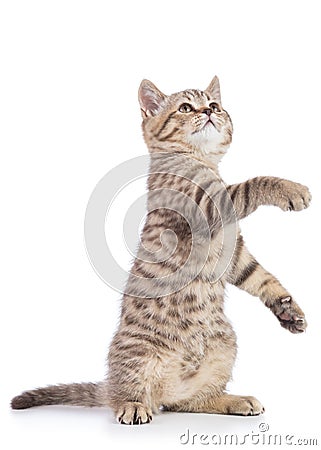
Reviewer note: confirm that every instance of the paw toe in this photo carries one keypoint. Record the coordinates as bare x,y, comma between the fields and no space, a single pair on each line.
134,413
246,406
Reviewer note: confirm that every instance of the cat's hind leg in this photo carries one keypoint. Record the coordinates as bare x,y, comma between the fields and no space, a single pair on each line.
132,379
227,404
238,405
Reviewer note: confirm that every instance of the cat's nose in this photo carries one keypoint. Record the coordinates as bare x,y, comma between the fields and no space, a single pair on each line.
207,111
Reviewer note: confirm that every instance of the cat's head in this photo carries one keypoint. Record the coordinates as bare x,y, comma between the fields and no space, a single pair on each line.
190,121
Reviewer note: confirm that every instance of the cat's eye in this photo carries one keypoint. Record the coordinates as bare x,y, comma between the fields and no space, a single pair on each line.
215,107
185,108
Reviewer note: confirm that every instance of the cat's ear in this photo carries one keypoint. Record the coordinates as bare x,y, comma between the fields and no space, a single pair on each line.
150,98
213,90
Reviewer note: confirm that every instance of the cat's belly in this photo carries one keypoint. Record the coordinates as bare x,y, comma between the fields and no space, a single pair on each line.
187,374
206,351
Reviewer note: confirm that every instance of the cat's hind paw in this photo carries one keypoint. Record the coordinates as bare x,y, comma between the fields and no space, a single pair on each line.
134,413
244,406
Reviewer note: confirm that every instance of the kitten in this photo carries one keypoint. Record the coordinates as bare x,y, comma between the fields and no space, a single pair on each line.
174,347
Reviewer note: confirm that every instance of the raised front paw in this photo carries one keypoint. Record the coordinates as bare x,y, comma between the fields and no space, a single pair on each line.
290,315
293,196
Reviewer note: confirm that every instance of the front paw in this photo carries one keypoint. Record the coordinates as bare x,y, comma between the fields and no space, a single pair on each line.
289,314
293,196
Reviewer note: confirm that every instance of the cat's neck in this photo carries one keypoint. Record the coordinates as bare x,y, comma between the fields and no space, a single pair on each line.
210,159
213,159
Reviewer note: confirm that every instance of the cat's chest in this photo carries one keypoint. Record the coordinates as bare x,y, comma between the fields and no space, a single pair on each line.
196,313
211,262
200,328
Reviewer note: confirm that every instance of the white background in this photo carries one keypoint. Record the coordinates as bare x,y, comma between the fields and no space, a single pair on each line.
69,76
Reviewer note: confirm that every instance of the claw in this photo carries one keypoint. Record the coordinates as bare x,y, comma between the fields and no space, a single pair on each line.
299,319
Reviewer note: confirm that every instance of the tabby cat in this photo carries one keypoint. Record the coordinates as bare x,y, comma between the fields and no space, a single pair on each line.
174,348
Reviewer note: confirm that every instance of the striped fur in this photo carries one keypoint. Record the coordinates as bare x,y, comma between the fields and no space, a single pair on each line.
174,347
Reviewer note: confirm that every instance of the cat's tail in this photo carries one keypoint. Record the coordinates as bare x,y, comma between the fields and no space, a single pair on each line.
76,394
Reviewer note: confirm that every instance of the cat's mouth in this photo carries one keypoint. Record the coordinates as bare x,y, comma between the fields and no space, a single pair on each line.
209,124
